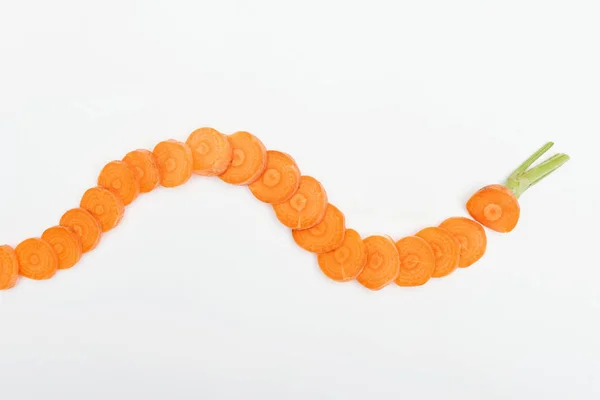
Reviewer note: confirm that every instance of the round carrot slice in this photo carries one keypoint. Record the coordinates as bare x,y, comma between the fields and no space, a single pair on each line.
306,208
249,159
83,223
347,261
417,261
104,205
495,207
9,267
446,249
211,150
37,259
121,179
145,169
383,262
175,162
326,236
471,236
66,244
279,182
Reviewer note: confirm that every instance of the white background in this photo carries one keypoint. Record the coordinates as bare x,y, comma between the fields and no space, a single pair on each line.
401,108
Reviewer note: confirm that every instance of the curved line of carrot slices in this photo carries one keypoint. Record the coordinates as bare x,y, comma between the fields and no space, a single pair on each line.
299,202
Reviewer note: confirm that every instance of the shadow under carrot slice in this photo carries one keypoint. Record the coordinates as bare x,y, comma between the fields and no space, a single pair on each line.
104,205
144,164
470,235
347,261
121,179
383,262
37,259
174,161
280,180
249,159
211,150
446,250
417,261
306,208
9,267
326,236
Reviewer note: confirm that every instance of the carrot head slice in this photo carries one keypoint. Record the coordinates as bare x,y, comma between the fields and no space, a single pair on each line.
9,267
471,236
37,259
495,207
446,249
104,205
417,261
383,263
66,244
143,163
279,182
326,236
83,223
121,179
306,208
211,150
175,162
347,261
249,159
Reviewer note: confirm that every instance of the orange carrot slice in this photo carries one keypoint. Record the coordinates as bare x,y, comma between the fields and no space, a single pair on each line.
446,249
470,235
104,205
37,259
66,244
9,267
175,162
383,263
279,182
347,261
83,223
211,150
496,207
417,261
145,169
121,179
249,159
326,236
306,208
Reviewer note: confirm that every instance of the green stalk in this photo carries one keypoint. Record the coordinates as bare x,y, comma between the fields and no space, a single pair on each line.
523,178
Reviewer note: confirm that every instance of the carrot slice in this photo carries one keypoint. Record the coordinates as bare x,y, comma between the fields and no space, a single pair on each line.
279,182
9,267
471,236
145,168
83,223
211,150
446,249
383,262
37,259
495,207
66,244
121,179
249,159
347,261
326,236
104,205
417,261
306,208
175,162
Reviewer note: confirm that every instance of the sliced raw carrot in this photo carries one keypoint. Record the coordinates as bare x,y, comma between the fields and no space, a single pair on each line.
66,244
347,261
383,262
417,261
279,182
496,207
175,162
145,168
9,267
446,249
326,236
249,159
121,179
306,208
83,223
211,150
104,205
471,236
37,259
